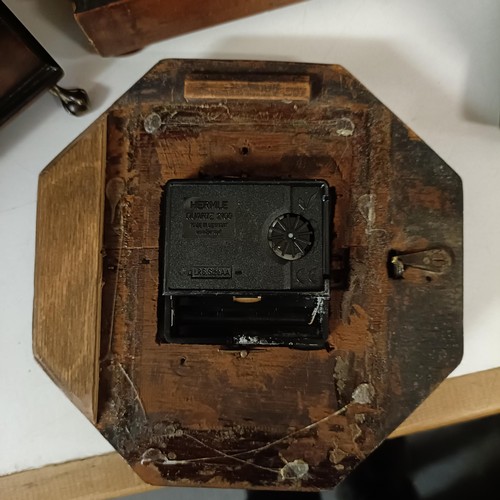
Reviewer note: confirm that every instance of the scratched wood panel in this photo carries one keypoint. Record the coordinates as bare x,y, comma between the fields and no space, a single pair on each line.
456,400
275,418
66,309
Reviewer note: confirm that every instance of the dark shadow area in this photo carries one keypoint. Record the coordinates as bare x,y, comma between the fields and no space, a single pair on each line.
282,495
460,462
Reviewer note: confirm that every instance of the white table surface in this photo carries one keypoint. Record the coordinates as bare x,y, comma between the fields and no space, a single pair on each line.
435,63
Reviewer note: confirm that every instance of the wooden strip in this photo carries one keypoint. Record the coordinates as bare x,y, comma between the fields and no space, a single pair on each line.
298,89
95,478
68,268
457,400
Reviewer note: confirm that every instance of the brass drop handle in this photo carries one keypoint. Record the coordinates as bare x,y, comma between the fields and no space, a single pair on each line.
74,101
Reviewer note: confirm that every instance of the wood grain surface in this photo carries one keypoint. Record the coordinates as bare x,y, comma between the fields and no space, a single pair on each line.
97,478
116,27
297,88
456,400
67,304
274,418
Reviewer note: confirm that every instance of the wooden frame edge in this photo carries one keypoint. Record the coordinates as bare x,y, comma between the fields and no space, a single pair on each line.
456,400
82,386
95,478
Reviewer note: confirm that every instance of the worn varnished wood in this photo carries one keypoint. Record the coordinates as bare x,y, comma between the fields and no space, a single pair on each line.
116,27
66,314
297,88
456,400
275,418
201,416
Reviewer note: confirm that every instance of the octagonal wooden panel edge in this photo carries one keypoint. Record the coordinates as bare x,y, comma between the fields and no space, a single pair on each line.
68,268
273,418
